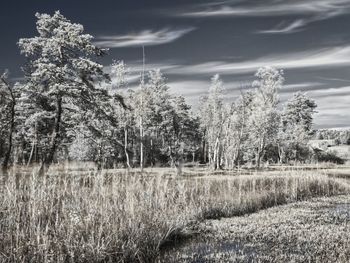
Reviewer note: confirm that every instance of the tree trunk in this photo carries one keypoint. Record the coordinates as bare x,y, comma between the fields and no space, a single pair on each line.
33,150
152,154
54,139
12,127
178,166
141,145
204,150
31,153
238,150
171,157
258,159
280,154
126,148
216,155
260,152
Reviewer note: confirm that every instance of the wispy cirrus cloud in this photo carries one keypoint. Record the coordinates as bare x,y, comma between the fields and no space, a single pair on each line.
333,106
143,38
274,8
334,79
321,58
308,11
304,86
286,29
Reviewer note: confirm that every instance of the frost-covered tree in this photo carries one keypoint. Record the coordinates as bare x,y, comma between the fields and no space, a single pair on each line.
212,121
296,125
167,123
119,75
81,147
299,111
264,119
61,77
236,148
142,109
181,134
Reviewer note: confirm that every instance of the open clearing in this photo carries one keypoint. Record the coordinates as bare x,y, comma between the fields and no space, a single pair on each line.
75,215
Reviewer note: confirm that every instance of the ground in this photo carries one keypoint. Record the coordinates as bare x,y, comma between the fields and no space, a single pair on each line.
79,214
310,231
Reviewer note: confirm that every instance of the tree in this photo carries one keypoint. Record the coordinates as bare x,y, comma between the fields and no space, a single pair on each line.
299,110
61,77
236,130
296,124
264,120
119,74
167,123
182,133
212,121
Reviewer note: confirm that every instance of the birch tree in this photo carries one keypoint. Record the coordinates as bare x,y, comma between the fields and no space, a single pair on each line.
212,121
264,120
119,75
236,130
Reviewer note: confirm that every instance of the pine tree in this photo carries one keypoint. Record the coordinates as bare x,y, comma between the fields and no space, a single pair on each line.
61,77
296,125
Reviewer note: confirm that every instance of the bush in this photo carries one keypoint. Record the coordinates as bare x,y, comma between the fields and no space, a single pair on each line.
330,157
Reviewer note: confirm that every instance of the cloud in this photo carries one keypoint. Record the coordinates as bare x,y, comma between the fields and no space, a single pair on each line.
275,8
334,79
310,10
305,86
291,28
321,58
335,93
143,38
191,88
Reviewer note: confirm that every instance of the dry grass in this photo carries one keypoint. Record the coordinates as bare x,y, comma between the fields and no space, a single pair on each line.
115,216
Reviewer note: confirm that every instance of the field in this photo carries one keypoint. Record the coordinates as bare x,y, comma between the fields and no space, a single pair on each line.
341,150
81,215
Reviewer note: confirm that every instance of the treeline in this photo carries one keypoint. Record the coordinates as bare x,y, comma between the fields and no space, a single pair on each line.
253,129
339,136
69,108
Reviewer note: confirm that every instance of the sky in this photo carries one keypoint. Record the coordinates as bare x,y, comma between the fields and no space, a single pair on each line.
190,41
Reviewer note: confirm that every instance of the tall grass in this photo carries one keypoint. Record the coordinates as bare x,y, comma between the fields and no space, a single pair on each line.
129,217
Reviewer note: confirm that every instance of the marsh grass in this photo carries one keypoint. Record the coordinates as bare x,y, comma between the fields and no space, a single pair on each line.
116,216
310,231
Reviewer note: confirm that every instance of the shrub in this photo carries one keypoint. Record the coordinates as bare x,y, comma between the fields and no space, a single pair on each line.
330,157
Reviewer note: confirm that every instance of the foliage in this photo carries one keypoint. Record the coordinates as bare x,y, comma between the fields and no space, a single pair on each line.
70,107
330,157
